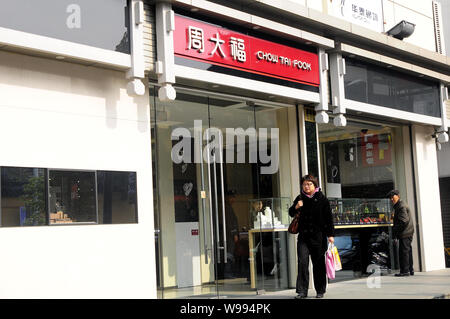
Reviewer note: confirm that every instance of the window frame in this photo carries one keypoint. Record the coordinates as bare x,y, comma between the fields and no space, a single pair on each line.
48,195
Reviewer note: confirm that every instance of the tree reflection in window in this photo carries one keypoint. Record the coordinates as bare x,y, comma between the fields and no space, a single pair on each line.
23,196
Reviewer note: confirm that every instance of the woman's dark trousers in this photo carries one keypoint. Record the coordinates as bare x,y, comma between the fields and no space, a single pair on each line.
405,255
306,248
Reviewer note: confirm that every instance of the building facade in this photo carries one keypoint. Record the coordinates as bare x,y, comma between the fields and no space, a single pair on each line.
168,138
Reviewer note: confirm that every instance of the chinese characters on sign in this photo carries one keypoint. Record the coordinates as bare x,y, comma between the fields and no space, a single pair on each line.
197,42
238,49
215,45
363,13
366,13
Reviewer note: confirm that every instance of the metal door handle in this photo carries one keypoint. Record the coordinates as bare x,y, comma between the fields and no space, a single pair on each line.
224,226
210,199
216,207
205,247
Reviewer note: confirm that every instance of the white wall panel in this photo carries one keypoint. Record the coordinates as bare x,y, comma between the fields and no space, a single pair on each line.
418,12
61,115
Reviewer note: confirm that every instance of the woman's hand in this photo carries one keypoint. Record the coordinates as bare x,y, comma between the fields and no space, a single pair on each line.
331,240
299,204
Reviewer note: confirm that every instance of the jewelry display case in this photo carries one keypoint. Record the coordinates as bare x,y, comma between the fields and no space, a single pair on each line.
269,213
361,211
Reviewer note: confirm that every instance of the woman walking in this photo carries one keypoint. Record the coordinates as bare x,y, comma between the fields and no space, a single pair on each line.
315,226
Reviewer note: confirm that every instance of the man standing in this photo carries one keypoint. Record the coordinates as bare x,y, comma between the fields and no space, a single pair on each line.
403,230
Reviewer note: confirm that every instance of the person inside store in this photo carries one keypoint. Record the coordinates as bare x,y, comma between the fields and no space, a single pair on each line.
403,231
229,270
316,230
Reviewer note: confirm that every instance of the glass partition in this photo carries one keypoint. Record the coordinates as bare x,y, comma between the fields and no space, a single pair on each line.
268,243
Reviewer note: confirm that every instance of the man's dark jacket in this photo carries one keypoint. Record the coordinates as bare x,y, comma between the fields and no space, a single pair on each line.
403,224
315,216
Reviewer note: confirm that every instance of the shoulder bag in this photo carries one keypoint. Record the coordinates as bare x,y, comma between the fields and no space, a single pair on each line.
293,227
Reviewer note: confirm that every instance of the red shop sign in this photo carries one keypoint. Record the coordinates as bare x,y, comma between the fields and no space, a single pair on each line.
215,45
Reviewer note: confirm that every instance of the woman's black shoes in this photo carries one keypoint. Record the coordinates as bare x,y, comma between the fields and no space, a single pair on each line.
402,274
301,296
304,295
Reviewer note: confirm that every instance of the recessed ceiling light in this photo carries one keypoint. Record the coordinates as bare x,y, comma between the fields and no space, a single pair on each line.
308,42
389,66
60,57
194,9
256,27
215,86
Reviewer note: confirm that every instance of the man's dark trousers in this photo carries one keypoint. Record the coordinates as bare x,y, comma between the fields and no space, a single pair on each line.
405,255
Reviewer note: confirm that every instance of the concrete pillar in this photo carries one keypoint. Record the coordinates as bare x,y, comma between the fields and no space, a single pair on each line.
428,199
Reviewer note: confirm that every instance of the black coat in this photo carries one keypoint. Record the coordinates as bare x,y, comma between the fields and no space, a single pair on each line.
316,218
403,224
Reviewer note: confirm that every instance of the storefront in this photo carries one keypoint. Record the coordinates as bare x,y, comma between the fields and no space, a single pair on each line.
361,163
388,137
224,91
225,158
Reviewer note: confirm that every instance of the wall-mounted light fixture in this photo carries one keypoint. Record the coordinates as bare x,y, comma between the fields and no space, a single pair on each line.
402,30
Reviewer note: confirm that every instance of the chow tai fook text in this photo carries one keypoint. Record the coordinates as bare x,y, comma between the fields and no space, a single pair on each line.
212,44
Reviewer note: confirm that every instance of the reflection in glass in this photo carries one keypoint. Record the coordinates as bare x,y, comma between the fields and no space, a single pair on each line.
360,165
72,197
358,160
375,85
23,201
116,197
100,23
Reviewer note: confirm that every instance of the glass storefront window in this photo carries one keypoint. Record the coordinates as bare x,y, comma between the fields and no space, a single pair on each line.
360,165
72,197
41,196
99,23
357,162
372,84
117,197
23,197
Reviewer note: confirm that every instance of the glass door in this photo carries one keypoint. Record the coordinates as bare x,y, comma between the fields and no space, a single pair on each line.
234,182
206,175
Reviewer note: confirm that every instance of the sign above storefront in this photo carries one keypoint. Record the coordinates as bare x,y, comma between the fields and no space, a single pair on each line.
219,46
366,13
